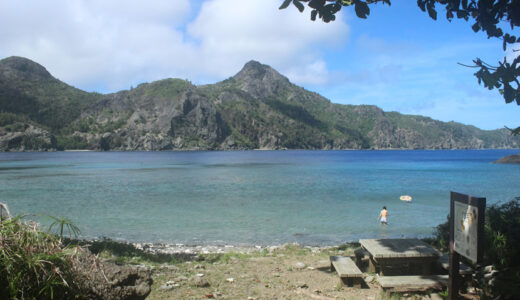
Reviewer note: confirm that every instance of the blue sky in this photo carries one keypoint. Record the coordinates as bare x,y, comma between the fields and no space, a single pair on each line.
398,59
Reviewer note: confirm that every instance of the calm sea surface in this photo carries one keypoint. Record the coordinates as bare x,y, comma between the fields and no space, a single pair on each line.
251,197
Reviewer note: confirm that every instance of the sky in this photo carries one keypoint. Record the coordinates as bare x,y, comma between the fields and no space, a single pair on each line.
398,59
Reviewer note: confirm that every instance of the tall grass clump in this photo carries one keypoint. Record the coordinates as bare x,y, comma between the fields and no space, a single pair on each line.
33,263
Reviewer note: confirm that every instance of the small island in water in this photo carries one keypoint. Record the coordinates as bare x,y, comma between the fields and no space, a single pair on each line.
510,159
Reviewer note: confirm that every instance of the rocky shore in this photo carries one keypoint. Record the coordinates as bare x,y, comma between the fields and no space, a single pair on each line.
511,159
161,248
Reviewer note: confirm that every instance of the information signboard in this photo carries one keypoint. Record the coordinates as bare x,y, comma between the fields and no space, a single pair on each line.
466,235
465,230
468,225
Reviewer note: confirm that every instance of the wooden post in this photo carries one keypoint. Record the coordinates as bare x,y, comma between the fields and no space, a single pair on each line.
454,282
453,287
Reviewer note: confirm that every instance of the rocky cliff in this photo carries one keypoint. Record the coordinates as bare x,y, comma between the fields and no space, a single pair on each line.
258,108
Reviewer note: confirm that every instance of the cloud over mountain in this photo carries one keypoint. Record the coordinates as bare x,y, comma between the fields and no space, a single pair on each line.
108,45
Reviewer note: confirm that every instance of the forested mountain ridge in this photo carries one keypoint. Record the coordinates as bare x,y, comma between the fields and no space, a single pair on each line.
258,108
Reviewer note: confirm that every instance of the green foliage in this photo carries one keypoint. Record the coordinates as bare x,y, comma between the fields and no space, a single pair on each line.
242,141
63,223
50,105
326,9
31,91
442,236
228,256
33,264
16,127
8,118
28,142
167,88
295,249
502,241
83,125
128,253
503,233
89,125
296,112
71,142
444,294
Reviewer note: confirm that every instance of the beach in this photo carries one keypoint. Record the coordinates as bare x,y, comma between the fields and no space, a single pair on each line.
288,271
258,272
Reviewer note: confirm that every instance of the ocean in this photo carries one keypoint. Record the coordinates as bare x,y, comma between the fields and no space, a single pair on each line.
251,197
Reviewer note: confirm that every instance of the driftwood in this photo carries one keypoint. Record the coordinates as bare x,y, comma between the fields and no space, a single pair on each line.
3,207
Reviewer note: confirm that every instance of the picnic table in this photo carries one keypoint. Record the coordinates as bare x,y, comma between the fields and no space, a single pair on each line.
400,256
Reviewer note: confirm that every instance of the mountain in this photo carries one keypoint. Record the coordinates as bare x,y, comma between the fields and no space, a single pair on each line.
258,108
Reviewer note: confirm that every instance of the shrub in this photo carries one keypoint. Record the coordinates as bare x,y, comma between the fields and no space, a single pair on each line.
33,264
442,236
502,244
71,142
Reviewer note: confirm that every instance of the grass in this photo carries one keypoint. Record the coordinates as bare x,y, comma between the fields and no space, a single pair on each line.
64,224
444,294
34,264
339,287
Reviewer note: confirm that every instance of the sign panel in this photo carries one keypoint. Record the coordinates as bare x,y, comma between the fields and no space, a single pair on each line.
465,230
467,225
466,235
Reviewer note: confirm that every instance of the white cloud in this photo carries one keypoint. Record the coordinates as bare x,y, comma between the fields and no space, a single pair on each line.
110,45
314,73
94,44
231,32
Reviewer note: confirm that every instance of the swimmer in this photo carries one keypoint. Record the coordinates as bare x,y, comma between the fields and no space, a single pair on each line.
383,216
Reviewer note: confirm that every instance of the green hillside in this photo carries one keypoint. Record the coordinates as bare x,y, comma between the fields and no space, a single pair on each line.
258,108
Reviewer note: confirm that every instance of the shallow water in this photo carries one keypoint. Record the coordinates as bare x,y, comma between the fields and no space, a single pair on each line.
251,197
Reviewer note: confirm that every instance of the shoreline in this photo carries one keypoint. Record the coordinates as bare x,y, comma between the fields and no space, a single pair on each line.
160,248
211,247
255,150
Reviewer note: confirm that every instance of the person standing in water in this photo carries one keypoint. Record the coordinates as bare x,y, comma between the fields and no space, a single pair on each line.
383,216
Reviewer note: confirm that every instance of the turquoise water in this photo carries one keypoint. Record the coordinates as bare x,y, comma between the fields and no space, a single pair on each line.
251,197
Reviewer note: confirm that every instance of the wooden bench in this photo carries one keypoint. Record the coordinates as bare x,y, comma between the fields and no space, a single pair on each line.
347,270
444,262
416,283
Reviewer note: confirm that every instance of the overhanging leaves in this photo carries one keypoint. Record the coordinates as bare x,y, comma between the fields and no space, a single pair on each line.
316,4
285,4
298,5
362,10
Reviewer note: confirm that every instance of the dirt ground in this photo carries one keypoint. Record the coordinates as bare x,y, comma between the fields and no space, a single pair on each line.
286,273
